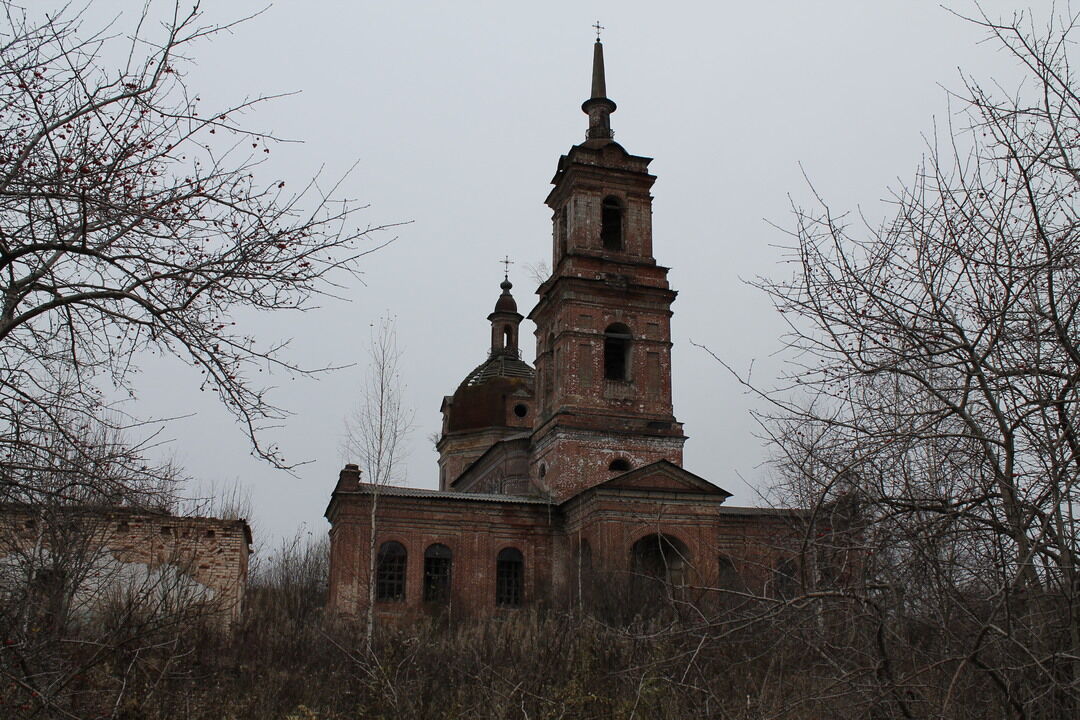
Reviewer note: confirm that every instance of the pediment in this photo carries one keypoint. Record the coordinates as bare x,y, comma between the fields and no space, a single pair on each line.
665,477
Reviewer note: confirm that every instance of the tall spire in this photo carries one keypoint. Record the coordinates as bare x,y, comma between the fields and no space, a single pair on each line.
599,86
599,107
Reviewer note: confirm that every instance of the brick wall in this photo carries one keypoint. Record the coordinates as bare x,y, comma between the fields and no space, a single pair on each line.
105,551
475,529
610,519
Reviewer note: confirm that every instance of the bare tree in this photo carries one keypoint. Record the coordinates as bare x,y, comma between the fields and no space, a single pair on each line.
131,220
375,433
936,386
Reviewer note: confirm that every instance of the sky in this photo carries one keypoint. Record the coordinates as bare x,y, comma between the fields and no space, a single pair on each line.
447,120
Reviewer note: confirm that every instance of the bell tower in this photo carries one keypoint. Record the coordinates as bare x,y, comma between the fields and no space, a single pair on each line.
603,333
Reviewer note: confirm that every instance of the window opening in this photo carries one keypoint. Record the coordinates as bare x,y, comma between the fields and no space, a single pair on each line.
784,581
619,465
661,557
521,410
508,338
390,572
584,555
437,567
611,221
616,352
509,578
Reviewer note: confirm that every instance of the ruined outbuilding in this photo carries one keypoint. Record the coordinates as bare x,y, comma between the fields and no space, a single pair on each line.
76,562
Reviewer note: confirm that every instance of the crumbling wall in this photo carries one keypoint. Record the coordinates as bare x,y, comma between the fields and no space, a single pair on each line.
81,559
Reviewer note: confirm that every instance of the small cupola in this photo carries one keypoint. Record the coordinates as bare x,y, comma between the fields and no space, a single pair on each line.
505,321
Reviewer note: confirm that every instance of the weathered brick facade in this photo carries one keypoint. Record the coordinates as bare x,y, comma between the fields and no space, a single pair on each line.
570,474
101,553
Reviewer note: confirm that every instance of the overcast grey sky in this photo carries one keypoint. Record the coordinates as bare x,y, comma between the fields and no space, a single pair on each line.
455,115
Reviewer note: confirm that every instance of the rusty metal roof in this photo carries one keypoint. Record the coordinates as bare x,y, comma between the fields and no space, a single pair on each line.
499,365
398,491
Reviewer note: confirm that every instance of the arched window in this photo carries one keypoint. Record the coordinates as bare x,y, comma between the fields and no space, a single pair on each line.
619,465
611,223
390,572
583,556
509,578
785,582
617,352
508,338
662,557
437,567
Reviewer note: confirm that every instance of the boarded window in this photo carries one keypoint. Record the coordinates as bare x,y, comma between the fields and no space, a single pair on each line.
509,578
437,570
585,365
652,373
390,572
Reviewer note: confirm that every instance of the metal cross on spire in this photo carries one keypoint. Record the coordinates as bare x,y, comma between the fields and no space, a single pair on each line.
507,262
598,28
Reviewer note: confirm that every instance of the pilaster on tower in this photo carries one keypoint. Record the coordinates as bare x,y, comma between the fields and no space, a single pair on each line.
603,318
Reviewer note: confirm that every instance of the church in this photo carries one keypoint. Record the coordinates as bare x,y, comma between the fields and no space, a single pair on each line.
562,482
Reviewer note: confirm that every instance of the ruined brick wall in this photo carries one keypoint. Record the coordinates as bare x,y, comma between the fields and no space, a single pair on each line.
113,551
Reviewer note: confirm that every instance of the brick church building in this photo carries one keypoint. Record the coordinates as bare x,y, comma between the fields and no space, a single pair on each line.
562,481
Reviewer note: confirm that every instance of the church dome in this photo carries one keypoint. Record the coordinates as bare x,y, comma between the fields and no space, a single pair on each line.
492,395
483,398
